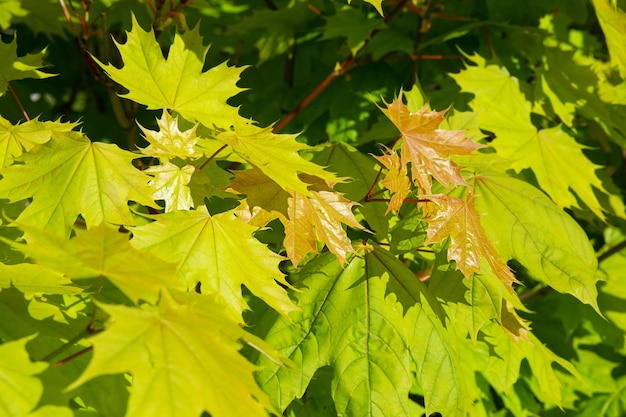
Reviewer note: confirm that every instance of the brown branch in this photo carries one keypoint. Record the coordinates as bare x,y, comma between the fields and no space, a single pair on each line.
612,251
210,158
344,67
73,356
17,99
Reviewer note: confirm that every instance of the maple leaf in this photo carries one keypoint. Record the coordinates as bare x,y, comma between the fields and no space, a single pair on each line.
176,83
556,159
14,68
428,148
265,199
170,183
531,229
23,137
613,23
318,216
170,142
183,356
71,176
35,279
308,218
276,155
346,323
459,220
396,179
101,251
219,252
20,390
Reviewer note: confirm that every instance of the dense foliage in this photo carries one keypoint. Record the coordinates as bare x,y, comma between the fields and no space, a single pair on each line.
379,208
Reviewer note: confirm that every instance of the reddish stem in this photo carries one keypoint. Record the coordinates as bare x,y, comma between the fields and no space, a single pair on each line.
73,356
210,158
17,99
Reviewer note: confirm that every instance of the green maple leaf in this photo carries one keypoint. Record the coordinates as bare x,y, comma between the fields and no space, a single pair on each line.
613,22
276,155
20,138
183,357
20,390
528,227
219,252
35,279
171,185
14,68
556,158
347,323
176,82
504,366
71,176
102,251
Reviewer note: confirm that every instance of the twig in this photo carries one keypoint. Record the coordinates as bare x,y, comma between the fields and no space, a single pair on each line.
344,67
210,158
73,356
17,99
615,249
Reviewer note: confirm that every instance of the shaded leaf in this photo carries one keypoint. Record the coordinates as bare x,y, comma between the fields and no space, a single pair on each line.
102,251
346,322
13,68
183,356
19,388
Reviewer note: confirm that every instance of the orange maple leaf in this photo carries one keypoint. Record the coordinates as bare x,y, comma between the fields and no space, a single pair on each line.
396,180
469,243
427,147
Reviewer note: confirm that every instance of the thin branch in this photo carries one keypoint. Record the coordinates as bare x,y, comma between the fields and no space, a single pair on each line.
65,346
615,249
210,158
344,67
17,99
73,356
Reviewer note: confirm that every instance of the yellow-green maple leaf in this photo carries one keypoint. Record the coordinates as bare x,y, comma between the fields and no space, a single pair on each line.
102,251
219,252
276,155
170,141
23,137
14,68
555,157
20,390
183,357
171,185
176,82
70,176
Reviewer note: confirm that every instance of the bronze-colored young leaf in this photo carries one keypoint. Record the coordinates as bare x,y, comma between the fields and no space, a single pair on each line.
427,147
